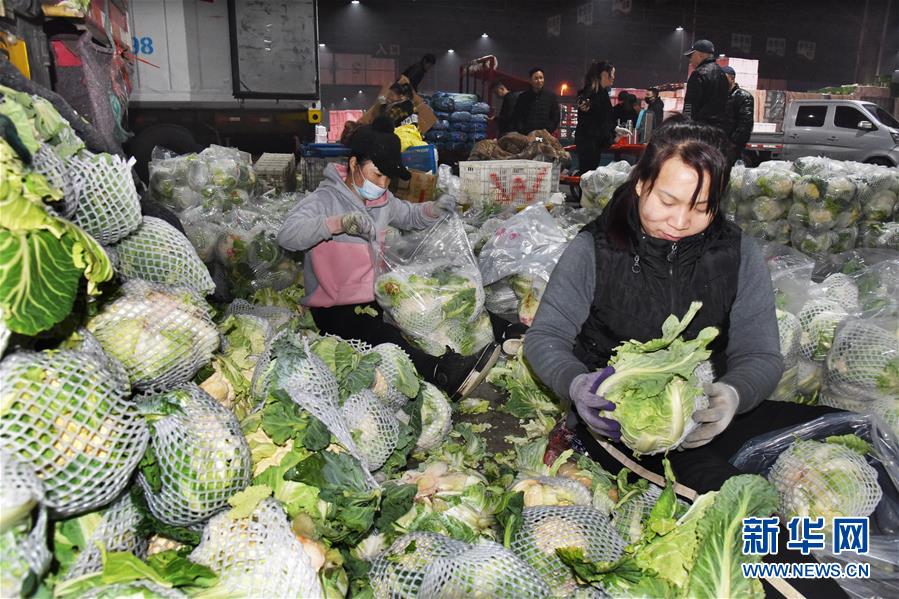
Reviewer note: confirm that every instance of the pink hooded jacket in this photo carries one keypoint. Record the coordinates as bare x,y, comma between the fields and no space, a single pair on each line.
339,270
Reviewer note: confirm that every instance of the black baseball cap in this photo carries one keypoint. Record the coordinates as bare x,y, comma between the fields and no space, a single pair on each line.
729,71
704,46
379,143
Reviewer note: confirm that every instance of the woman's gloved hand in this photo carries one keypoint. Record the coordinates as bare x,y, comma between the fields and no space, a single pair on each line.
445,204
588,404
351,223
723,403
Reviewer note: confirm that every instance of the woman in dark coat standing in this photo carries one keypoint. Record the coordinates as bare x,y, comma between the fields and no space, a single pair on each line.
595,124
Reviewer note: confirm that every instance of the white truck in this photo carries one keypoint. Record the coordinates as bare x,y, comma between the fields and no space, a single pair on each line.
840,129
233,72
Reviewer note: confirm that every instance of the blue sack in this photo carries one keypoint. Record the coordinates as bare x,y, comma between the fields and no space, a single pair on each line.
480,108
458,136
476,137
443,104
459,126
442,116
438,135
479,118
460,117
477,128
440,125
464,105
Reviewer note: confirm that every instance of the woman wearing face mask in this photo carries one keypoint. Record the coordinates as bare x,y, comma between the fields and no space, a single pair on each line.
661,244
335,225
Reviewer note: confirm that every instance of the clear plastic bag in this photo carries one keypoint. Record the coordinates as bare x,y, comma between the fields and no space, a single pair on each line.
761,454
597,186
431,289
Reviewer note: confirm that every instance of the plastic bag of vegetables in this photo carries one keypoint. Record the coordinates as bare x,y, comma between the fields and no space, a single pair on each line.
23,542
161,335
769,182
878,235
197,459
597,186
432,290
160,253
256,555
67,413
839,464
863,362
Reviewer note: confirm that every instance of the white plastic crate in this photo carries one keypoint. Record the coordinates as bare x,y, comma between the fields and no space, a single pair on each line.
276,171
506,182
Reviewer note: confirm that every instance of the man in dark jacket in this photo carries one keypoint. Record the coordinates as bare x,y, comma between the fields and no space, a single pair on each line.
707,88
536,108
740,113
655,105
504,114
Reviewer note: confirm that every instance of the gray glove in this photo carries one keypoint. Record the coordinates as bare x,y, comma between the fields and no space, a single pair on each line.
588,404
357,224
723,403
446,203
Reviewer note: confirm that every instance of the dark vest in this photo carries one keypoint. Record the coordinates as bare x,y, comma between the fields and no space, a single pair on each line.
638,287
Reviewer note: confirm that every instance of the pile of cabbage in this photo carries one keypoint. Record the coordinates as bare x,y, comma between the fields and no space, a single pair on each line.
817,205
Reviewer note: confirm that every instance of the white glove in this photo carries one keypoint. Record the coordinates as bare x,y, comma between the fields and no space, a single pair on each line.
622,132
723,403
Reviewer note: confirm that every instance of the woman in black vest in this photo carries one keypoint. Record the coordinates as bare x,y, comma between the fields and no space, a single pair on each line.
661,244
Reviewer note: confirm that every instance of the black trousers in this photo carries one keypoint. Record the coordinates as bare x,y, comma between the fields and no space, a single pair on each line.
589,153
706,468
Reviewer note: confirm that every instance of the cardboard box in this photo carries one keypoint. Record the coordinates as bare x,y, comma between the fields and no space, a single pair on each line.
422,187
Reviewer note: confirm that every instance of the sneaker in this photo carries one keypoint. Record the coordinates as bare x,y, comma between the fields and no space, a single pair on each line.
481,369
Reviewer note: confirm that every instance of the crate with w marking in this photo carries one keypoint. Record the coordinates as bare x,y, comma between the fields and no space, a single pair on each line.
507,182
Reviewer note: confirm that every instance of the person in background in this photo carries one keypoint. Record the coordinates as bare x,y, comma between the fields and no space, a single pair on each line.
415,72
707,88
595,130
740,113
655,105
537,107
624,110
402,106
662,243
337,224
503,116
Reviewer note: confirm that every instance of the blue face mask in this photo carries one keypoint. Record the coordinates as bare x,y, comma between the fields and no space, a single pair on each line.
369,191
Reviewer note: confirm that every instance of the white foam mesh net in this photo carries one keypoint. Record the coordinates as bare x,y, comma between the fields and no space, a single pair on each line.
5,333
67,413
390,354
276,316
48,163
399,572
257,556
117,532
436,417
162,335
629,517
818,321
202,454
108,206
548,528
824,479
486,570
373,427
788,330
860,357
553,490
160,253
21,550
313,387
788,386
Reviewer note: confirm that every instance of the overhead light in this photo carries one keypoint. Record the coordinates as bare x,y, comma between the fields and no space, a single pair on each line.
360,91
678,28
354,2
450,51
344,98
484,35
321,44
721,56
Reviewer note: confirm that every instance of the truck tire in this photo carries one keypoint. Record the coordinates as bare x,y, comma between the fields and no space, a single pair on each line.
176,138
880,160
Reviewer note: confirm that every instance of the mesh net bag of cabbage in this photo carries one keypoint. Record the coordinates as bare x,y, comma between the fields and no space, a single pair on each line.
276,316
399,572
818,321
68,414
108,206
628,518
257,556
552,490
373,427
396,380
201,456
137,589
116,532
864,360
817,478
162,335
48,163
160,253
548,528
486,569
788,331
23,547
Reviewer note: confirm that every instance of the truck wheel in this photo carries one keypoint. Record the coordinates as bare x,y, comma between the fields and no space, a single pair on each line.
880,160
176,138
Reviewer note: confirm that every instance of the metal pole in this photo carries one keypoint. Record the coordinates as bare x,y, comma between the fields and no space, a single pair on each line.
861,42
883,35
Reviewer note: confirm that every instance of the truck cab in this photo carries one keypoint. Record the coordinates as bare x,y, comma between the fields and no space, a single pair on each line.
841,129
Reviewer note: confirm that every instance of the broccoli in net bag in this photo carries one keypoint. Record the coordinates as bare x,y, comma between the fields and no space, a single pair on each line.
159,253
198,457
162,335
257,555
23,540
430,287
68,414
838,465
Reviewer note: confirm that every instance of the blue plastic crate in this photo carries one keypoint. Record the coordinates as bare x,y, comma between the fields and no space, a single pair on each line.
324,150
421,158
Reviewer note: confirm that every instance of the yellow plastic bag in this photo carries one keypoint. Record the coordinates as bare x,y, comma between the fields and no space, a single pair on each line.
410,137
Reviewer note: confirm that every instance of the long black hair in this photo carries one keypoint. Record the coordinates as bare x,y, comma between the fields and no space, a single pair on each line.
703,148
594,73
